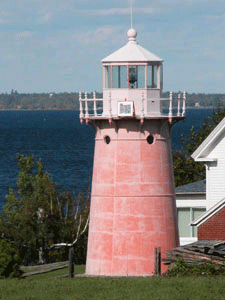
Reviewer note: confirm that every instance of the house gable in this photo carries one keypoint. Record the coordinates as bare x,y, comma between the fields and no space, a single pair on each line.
212,152
218,148
212,145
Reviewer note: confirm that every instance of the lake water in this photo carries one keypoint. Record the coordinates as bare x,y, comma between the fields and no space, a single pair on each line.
65,146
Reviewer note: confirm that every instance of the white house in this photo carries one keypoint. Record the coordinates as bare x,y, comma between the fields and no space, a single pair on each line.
212,153
202,197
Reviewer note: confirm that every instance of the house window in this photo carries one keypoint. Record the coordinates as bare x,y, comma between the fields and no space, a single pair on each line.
185,216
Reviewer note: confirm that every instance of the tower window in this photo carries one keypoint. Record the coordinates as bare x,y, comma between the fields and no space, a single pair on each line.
150,139
107,139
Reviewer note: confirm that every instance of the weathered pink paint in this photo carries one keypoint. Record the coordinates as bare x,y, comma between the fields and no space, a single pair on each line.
133,207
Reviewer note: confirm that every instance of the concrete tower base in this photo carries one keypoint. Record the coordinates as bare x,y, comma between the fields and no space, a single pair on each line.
133,207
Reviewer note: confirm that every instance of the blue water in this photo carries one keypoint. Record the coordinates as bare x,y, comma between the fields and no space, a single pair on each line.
65,146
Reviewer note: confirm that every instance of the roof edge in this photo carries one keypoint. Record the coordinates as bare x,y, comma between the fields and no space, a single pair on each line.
209,213
196,155
190,193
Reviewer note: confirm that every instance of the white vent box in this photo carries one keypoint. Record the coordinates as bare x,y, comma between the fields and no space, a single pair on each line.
125,109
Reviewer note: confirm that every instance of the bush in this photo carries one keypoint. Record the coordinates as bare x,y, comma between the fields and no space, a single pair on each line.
9,260
181,268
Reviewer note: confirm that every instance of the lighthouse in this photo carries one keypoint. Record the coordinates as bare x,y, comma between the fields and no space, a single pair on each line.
133,209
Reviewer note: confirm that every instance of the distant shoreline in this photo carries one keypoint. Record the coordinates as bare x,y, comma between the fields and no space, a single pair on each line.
44,109
61,109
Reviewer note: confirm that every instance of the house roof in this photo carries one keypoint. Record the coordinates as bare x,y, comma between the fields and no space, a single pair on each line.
209,213
192,188
202,152
132,52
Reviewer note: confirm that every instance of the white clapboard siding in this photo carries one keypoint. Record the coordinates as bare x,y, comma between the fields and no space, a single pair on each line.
215,173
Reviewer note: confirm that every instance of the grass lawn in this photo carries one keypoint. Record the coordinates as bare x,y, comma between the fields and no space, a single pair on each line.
53,286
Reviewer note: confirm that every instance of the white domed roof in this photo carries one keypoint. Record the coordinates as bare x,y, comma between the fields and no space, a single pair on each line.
132,52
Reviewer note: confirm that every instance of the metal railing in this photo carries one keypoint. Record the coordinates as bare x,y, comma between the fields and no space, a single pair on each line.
90,107
169,107
173,107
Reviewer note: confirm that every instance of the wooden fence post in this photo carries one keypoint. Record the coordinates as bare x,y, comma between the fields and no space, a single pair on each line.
71,262
156,261
159,261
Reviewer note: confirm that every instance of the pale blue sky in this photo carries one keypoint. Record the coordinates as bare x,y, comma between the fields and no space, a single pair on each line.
56,46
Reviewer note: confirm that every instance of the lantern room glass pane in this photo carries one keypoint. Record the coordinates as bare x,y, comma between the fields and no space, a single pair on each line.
123,77
184,221
161,76
115,77
107,77
152,76
133,77
141,77
149,81
155,77
119,77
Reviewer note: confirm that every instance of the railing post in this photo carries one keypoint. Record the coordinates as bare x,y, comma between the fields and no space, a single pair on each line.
81,106
170,107
184,104
110,106
178,105
95,106
86,105
157,261
142,106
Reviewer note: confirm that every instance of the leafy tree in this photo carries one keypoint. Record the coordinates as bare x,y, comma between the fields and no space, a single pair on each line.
36,214
9,260
186,170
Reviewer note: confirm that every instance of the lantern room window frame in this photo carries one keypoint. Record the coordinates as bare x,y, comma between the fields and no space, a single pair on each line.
149,78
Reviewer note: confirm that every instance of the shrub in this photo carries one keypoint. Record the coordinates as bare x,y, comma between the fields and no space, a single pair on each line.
181,268
9,260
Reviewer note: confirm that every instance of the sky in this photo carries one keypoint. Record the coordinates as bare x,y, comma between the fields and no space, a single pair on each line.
57,46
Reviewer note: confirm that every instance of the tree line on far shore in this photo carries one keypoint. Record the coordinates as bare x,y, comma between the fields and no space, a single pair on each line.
60,101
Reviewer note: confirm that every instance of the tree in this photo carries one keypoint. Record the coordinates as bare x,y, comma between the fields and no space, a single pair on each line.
9,260
37,214
186,170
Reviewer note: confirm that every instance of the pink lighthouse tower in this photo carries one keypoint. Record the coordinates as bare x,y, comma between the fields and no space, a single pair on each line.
133,209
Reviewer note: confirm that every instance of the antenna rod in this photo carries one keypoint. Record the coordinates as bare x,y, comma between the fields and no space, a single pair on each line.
131,15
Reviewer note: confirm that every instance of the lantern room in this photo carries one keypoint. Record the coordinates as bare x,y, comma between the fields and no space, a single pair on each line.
132,73
132,86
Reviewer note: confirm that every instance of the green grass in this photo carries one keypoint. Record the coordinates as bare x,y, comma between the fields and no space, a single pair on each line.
53,286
